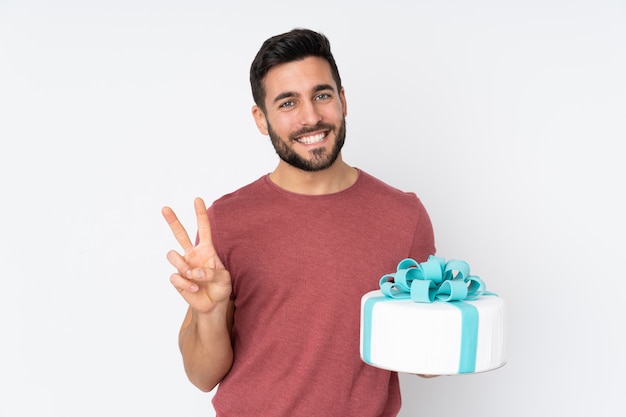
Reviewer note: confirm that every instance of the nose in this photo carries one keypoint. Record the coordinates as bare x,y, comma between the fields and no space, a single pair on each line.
310,114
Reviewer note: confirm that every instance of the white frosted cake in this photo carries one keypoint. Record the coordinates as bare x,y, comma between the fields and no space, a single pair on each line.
437,332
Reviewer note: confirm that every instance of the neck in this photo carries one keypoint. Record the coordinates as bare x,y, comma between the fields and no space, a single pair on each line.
336,178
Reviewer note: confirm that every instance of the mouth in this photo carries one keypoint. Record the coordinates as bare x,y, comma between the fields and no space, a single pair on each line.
312,139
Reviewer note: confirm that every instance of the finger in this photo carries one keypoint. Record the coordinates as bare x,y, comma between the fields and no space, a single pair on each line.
177,228
204,233
179,262
181,284
204,227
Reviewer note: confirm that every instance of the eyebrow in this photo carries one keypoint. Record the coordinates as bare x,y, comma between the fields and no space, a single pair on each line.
317,88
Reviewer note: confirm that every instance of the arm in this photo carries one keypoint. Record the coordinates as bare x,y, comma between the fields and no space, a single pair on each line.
204,283
205,344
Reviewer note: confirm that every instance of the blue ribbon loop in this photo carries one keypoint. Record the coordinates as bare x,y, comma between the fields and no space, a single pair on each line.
435,280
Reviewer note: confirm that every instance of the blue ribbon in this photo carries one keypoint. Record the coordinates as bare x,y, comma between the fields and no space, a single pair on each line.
433,280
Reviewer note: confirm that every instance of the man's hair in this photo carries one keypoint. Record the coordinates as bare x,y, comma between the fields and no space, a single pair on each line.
294,45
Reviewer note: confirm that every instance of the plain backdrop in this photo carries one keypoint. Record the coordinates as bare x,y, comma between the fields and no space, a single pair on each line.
507,118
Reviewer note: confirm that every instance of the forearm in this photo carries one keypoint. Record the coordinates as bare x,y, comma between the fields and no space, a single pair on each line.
206,347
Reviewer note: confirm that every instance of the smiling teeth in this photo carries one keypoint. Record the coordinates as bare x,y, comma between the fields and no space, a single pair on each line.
308,140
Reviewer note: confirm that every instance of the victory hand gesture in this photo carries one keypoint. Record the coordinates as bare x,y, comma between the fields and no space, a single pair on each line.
201,277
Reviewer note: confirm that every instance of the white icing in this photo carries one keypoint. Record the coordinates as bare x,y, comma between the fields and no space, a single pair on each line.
425,338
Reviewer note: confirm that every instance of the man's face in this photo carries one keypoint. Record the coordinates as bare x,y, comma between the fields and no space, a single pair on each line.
305,114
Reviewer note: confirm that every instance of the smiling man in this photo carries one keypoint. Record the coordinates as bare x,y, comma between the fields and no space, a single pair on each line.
275,277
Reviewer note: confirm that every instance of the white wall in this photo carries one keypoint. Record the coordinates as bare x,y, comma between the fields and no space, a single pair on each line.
506,118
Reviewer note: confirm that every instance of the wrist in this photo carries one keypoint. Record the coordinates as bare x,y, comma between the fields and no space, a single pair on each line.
217,311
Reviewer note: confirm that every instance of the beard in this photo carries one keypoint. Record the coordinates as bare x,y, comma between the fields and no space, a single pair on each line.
320,158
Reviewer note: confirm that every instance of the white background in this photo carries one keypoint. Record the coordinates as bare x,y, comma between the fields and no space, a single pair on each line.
506,118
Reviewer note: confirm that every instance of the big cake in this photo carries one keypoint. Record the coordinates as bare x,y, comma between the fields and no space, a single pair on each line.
433,318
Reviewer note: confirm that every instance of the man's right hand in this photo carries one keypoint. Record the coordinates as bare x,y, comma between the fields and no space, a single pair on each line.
201,277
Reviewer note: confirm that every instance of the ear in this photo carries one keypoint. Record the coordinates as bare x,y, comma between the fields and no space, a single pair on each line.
344,104
260,120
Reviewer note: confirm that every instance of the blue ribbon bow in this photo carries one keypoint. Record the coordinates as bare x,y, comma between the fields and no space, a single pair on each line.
432,280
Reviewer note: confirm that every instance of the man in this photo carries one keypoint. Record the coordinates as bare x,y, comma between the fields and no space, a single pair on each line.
275,278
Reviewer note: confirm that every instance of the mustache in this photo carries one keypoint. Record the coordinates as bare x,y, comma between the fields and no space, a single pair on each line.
311,129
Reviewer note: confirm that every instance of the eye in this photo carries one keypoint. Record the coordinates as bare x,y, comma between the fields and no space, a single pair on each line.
322,96
286,104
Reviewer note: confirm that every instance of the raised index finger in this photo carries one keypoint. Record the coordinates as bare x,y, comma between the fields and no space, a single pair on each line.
177,228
